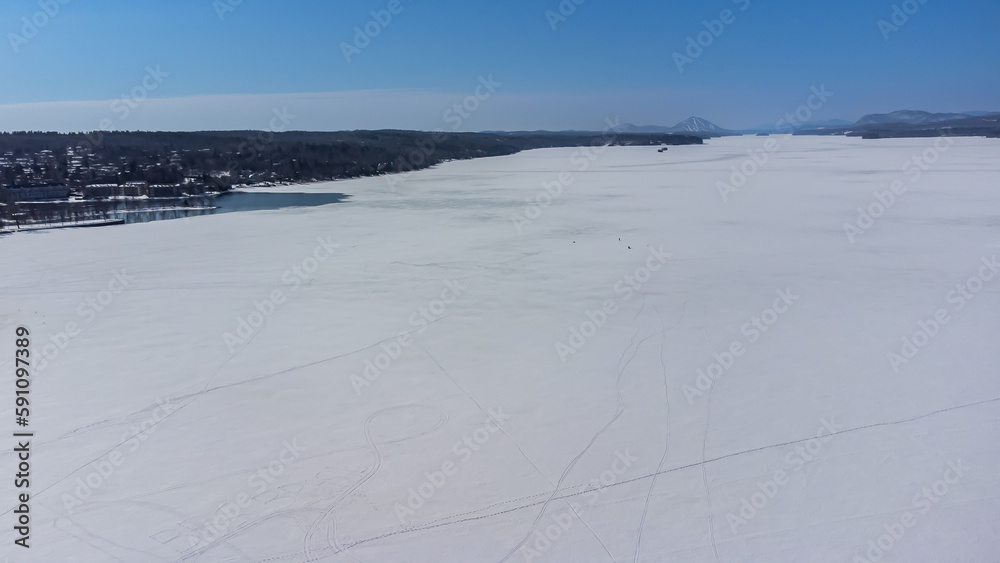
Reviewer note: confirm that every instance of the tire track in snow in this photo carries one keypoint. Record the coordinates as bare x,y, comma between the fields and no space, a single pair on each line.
662,472
437,426
126,419
704,466
593,440
518,446
666,442
291,512
376,467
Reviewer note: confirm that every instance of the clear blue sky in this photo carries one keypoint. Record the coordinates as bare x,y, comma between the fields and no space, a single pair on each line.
608,58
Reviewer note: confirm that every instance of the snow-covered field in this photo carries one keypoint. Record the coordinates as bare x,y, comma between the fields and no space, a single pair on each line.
636,368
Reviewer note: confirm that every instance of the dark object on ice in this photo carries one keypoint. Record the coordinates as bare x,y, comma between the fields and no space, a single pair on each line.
662,149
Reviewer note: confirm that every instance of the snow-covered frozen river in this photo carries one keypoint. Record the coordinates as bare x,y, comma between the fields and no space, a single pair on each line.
776,349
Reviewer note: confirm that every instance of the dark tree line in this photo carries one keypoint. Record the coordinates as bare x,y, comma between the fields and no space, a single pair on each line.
232,157
217,160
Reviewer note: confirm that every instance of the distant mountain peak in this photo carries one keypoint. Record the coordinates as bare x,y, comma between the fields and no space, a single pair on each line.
698,125
689,125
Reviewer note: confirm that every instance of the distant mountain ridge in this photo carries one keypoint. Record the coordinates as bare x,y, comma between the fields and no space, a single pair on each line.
916,124
902,123
910,117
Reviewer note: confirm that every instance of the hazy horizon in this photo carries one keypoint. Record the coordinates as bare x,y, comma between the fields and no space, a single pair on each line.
571,65
308,113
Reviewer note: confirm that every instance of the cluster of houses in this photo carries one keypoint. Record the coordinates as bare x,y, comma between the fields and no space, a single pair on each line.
30,178
28,169
97,191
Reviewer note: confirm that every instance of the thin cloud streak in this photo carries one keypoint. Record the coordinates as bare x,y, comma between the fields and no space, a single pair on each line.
363,109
